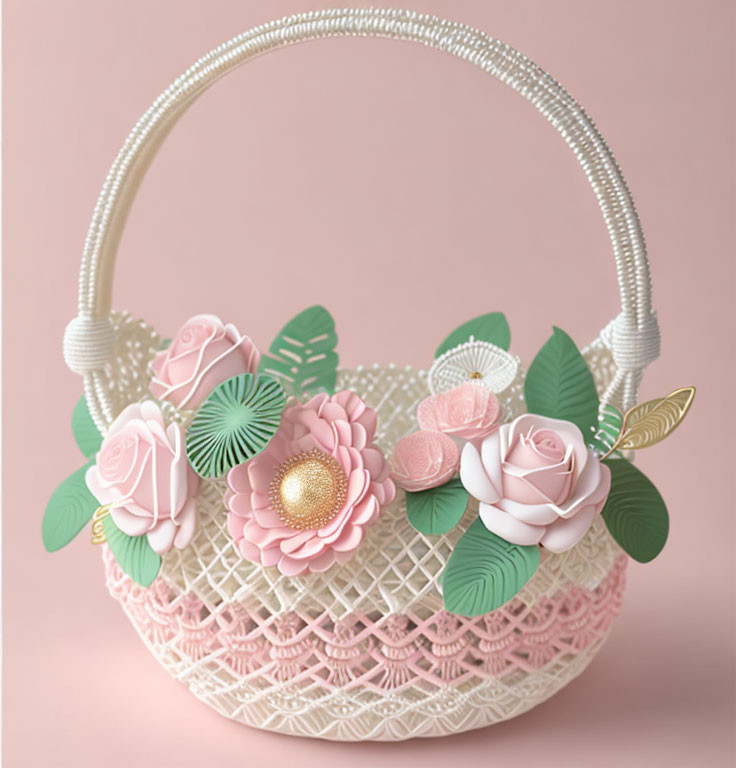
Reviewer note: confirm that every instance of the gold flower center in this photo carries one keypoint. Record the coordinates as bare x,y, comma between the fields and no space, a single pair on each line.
475,375
308,490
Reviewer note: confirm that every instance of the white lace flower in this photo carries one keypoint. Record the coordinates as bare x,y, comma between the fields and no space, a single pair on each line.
478,361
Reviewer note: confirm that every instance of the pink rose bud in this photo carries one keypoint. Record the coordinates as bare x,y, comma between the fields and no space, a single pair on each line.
423,460
203,354
470,412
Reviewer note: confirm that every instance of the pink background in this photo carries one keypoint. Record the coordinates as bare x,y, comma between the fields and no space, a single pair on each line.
407,191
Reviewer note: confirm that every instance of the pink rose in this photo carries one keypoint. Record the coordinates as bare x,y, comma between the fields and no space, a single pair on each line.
470,412
142,472
424,460
302,503
203,354
537,482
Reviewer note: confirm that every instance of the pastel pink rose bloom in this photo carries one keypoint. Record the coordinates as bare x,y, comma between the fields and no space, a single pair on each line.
143,473
470,412
203,354
423,460
303,503
537,482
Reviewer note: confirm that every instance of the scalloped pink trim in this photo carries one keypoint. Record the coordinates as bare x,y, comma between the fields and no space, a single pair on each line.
378,653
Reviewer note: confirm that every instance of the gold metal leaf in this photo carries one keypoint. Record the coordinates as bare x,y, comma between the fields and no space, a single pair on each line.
648,423
98,531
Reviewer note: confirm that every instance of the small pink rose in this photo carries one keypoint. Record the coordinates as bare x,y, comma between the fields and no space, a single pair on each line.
203,354
469,412
537,482
142,472
423,460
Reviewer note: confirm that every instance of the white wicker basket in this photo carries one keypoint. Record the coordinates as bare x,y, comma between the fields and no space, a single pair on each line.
363,651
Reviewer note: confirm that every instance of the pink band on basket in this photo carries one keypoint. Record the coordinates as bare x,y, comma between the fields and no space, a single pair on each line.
392,652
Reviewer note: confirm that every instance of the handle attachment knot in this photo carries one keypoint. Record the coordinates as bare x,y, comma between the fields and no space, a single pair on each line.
88,344
634,346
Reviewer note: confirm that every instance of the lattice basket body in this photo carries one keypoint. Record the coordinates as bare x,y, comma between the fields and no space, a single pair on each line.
365,650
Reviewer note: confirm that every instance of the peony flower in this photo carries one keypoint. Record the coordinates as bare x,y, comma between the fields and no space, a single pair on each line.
537,482
142,472
423,460
477,361
302,503
468,412
203,354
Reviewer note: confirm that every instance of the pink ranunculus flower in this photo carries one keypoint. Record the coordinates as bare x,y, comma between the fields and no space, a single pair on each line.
203,354
302,503
537,482
469,412
424,459
143,473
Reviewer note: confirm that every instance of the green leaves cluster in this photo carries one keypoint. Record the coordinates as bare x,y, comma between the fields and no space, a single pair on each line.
484,571
635,513
133,553
302,356
234,424
69,509
437,510
560,385
72,506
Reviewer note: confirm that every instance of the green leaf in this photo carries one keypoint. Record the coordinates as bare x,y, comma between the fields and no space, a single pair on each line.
484,572
165,344
133,553
85,431
634,512
437,510
302,357
560,385
234,424
492,327
70,508
610,421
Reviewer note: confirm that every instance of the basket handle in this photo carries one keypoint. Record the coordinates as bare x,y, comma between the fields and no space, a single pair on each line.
89,340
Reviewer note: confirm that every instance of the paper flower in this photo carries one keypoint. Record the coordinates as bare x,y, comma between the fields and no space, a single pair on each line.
468,412
234,423
423,460
204,353
477,361
142,472
302,503
537,482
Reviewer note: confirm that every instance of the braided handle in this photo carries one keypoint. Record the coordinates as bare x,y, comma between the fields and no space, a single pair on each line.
633,335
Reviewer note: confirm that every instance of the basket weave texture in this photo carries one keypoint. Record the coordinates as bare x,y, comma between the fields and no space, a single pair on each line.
364,651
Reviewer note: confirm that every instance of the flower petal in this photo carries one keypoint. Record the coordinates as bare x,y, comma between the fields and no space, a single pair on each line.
130,524
508,527
593,485
289,566
534,514
161,538
187,522
492,457
565,534
474,478
349,539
